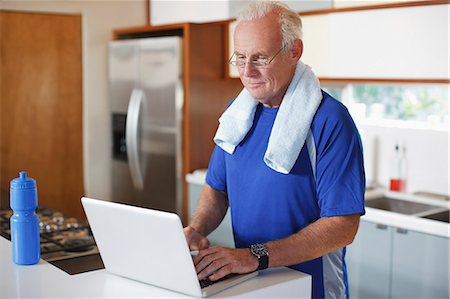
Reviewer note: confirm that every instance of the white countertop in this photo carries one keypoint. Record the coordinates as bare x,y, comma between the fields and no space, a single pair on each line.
43,280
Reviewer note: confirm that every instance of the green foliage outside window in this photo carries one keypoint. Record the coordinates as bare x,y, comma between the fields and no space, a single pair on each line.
401,102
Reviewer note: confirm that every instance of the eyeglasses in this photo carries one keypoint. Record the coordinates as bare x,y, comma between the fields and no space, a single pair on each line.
257,61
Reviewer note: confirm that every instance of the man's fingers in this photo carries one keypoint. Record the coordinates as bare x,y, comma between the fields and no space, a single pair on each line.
211,268
195,240
205,252
203,244
204,258
217,262
222,272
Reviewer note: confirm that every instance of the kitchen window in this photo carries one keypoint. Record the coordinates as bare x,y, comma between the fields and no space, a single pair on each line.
424,106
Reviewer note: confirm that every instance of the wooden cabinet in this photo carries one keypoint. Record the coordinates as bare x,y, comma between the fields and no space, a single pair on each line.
206,89
390,262
41,106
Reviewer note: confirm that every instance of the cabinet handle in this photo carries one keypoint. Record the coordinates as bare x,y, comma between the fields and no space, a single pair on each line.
402,231
381,226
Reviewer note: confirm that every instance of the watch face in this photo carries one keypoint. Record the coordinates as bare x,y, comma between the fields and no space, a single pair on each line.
259,249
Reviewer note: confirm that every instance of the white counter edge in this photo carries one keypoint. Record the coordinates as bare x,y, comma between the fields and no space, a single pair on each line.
196,177
423,225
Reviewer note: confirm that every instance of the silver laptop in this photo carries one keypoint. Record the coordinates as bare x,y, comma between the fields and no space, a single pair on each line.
148,246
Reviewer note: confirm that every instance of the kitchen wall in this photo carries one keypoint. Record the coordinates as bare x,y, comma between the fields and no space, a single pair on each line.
427,156
99,19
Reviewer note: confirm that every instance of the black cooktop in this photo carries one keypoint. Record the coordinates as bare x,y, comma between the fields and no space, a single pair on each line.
80,264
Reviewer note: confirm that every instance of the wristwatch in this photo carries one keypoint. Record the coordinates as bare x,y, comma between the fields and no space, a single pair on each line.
262,253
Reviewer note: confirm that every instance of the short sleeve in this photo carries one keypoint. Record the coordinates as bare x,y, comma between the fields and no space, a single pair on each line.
340,167
216,175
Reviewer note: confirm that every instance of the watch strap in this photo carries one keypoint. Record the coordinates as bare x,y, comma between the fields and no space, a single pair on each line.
263,262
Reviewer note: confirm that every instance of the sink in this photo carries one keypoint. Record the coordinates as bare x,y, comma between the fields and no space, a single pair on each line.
400,206
440,216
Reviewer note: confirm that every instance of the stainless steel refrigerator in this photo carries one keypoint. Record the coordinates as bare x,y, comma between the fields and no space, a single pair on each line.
147,100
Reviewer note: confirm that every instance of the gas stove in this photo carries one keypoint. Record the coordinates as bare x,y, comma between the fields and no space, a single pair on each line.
65,242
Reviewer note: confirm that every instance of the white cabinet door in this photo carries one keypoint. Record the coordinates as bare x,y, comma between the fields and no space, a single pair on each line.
420,265
390,262
368,261
407,42
163,12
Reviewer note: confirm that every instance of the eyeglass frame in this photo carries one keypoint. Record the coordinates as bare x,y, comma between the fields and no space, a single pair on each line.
266,63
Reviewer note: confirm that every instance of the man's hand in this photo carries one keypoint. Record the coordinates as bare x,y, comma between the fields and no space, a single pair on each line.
216,262
195,240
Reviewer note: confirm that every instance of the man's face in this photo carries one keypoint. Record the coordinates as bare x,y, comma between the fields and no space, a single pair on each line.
262,38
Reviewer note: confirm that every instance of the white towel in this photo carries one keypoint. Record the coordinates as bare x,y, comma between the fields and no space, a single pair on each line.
291,125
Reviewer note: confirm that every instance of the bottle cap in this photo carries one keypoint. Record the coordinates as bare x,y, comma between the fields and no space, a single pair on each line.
23,182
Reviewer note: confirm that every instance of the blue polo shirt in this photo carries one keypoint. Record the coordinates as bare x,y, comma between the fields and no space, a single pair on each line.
266,205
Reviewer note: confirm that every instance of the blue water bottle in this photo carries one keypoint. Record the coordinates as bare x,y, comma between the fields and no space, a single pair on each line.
25,237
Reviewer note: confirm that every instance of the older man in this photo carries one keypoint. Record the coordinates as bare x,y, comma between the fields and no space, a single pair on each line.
302,216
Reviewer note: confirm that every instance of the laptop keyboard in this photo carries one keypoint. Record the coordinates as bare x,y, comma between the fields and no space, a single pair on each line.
206,282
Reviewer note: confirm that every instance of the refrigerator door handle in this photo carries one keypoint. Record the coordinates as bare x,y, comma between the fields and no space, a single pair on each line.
131,137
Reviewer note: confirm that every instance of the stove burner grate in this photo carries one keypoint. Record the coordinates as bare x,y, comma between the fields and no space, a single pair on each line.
60,237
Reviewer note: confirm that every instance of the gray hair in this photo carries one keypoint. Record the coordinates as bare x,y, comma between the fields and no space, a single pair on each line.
290,22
